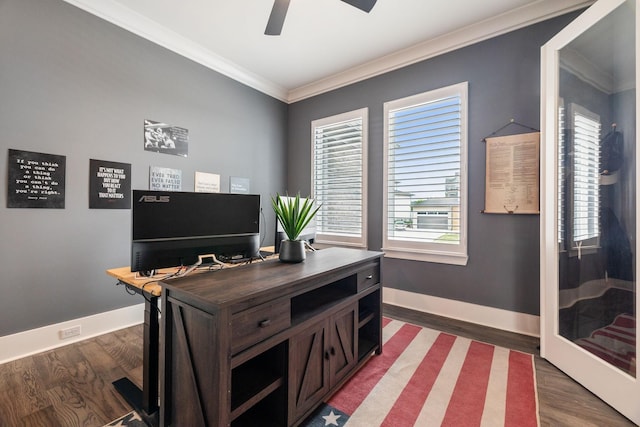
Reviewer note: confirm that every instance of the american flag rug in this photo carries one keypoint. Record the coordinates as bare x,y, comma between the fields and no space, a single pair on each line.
132,419
430,378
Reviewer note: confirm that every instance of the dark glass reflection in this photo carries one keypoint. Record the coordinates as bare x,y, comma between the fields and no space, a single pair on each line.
597,192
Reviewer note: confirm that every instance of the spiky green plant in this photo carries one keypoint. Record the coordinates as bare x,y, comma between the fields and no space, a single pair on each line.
294,215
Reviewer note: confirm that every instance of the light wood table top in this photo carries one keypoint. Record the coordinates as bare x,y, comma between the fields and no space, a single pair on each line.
145,284
151,285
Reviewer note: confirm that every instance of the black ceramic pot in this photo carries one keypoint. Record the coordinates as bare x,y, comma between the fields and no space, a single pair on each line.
292,251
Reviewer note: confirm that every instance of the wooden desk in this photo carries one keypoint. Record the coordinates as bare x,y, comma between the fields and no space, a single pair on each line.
264,344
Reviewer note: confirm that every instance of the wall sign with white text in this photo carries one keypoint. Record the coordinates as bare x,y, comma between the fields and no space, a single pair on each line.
109,185
36,180
239,185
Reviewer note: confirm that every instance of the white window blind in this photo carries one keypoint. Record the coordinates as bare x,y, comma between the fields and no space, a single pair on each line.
339,177
586,176
425,175
561,175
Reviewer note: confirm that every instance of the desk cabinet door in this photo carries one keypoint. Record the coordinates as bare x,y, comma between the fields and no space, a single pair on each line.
308,372
342,348
319,357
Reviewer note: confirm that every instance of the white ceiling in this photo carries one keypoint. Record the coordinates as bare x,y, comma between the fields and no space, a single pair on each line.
324,44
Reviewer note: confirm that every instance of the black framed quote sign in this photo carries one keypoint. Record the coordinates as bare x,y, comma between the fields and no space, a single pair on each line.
513,174
109,185
36,180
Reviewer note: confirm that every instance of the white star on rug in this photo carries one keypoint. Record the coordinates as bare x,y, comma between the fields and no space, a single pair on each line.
331,419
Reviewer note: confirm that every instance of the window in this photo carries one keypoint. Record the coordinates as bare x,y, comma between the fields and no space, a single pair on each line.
339,175
586,177
425,196
578,178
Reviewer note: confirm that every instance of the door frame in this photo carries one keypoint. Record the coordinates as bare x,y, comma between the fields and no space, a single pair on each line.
618,389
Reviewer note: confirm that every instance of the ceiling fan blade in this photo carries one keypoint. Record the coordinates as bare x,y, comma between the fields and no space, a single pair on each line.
276,19
364,5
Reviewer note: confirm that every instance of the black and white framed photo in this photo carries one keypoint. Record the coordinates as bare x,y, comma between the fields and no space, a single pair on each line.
164,138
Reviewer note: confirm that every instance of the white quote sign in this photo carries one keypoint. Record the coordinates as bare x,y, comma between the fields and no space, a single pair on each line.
207,182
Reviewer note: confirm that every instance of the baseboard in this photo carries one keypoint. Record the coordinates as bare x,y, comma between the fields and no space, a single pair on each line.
34,341
48,337
526,324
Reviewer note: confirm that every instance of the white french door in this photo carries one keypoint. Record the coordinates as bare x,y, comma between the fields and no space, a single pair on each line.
589,214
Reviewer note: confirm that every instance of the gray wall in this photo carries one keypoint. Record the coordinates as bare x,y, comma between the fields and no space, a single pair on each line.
74,85
504,83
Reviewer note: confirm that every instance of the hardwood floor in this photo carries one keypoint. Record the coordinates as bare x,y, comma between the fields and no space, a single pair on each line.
71,386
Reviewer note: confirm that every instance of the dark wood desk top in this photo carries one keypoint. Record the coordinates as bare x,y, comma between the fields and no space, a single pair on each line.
262,281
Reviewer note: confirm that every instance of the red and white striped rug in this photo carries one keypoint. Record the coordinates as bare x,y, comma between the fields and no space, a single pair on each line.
615,343
430,378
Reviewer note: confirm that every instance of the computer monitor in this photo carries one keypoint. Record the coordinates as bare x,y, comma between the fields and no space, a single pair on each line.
172,229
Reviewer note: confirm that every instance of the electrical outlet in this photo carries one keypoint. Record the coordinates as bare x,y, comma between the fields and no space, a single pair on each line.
70,332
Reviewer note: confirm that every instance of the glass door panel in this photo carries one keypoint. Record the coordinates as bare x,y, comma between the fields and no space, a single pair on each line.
589,245
597,210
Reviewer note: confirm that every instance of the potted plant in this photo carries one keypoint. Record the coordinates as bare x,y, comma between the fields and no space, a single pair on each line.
294,215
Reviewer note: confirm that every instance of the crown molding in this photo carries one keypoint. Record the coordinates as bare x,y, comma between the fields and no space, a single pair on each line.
483,30
133,22
138,24
584,69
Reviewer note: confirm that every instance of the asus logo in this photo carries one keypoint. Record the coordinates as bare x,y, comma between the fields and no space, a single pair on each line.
154,199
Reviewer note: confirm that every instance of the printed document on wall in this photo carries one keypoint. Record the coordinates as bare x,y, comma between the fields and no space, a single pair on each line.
513,174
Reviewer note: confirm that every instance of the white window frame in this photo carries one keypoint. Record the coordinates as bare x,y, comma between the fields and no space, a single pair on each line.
446,253
335,239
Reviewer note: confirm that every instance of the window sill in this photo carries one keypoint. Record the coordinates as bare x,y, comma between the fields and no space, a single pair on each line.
584,250
437,257
327,241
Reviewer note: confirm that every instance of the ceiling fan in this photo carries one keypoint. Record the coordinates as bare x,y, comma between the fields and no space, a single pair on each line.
280,7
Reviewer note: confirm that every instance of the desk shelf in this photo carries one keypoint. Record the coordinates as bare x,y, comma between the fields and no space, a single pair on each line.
316,302
369,324
256,379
